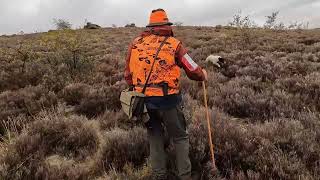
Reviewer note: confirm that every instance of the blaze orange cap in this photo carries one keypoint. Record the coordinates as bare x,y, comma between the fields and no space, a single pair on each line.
158,17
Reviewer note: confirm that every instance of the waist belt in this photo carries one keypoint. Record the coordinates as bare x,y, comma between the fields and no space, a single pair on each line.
164,86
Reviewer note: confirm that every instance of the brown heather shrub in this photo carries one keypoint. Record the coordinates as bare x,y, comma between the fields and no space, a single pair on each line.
189,87
123,147
199,144
76,136
107,69
52,146
244,102
314,49
129,173
244,175
14,125
309,57
74,93
27,101
115,119
189,105
301,68
100,78
280,149
56,167
98,100
262,72
56,78
264,104
307,88
14,76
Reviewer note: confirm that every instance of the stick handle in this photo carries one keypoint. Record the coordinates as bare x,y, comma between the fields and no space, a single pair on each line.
208,124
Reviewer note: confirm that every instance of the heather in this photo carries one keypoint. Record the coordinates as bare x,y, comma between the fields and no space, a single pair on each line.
60,117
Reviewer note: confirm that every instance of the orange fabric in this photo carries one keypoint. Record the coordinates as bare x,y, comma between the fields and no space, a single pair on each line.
158,16
165,69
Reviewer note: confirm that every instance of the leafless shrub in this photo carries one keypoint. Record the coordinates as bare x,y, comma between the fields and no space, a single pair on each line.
245,26
240,21
62,24
271,20
298,25
67,48
20,67
271,23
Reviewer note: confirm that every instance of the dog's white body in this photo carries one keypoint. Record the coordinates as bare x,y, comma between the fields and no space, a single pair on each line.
213,60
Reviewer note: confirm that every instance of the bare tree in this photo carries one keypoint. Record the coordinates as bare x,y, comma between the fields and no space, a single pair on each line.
240,21
62,24
280,26
271,20
298,25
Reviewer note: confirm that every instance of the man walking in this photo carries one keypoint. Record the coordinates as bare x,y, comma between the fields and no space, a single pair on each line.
162,90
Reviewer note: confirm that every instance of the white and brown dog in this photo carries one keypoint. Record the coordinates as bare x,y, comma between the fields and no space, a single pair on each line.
215,60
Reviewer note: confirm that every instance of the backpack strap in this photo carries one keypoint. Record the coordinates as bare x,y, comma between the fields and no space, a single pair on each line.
156,56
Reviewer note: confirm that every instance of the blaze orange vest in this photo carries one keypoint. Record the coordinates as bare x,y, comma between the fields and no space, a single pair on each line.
165,75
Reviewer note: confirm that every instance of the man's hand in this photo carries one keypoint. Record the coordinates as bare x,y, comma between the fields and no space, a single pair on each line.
205,74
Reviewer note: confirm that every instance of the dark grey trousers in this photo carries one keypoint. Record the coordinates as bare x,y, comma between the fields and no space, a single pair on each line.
173,121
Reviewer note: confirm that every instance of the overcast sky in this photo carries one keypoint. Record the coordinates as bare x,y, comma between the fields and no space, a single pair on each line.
37,15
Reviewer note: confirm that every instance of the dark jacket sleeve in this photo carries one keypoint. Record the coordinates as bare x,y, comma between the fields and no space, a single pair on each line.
192,69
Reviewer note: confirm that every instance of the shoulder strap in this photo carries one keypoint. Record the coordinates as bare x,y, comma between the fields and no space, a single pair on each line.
155,58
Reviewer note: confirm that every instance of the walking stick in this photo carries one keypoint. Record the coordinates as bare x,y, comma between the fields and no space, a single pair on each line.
209,126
